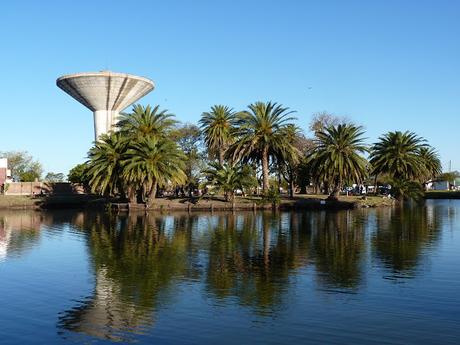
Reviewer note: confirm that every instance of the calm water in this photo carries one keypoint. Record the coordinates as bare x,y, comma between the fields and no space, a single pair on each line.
387,276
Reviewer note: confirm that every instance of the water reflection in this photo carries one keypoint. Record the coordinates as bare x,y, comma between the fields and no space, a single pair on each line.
135,263
141,263
251,257
338,244
19,231
402,235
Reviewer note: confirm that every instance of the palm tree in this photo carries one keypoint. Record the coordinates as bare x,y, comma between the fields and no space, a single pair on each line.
431,163
261,134
152,162
218,129
405,189
288,160
146,121
336,156
104,169
398,155
227,178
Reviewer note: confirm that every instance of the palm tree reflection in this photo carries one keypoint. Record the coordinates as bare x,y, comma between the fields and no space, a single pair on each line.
254,259
139,262
136,261
401,236
339,246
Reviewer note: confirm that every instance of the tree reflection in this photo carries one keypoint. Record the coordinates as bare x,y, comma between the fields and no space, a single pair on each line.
251,257
136,261
402,234
139,261
338,245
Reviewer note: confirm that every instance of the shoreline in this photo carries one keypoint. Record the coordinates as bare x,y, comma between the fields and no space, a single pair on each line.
299,202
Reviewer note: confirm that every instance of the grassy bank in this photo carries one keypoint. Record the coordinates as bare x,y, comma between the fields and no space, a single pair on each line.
19,202
352,201
54,201
257,203
198,204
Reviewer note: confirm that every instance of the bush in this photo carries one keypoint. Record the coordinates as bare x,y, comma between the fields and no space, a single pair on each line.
272,196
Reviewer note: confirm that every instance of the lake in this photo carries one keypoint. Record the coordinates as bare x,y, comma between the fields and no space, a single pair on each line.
386,276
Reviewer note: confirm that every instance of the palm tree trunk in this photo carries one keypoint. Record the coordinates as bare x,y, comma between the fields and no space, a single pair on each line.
279,180
221,157
291,187
121,190
265,183
291,183
375,185
334,194
336,190
152,194
132,195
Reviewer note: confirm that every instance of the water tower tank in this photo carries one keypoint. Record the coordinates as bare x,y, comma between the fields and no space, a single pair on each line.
106,94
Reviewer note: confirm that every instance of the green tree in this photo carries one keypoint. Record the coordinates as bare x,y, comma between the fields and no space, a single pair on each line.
398,155
104,172
189,139
54,177
431,163
153,162
32,173
78,174
218,130
261,135
289,161
406,189
227,178
407,160
449,176
146,121
336,157
23,166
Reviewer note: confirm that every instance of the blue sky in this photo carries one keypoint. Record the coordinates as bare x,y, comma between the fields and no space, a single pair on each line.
387,65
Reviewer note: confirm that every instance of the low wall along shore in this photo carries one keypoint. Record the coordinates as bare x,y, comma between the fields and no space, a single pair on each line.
42,188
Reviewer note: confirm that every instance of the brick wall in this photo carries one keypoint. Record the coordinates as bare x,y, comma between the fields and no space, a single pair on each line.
2,175
37,188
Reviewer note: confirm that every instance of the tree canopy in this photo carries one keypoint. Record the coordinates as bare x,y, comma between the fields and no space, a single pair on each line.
23,166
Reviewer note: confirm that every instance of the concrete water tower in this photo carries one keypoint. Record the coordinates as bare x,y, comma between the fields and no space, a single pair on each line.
106,94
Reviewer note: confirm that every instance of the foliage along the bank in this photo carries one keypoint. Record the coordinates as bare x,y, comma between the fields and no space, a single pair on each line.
150,152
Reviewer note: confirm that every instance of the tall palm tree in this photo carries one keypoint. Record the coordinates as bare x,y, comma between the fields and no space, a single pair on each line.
218,128
288,160
398,155
152,162
146,121
261,134
104,165
337,158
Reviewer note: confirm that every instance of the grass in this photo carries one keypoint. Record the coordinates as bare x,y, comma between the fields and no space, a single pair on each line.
355,200
53,201
300,202
19,201
204,203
